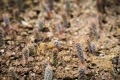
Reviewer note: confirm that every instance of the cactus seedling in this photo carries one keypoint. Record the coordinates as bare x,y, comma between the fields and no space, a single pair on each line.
48,73
57,44
6,20
93,32
68,8
7,23
46,8
91,47
101,5
81,72
1,36
100,21
119,59
50,2
12,73
59,28
65,22
31,48
26,55
88,45
54,57
16,14
40,25
80,53
19,4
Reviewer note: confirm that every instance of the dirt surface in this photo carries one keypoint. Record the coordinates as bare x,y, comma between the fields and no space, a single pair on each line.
55,43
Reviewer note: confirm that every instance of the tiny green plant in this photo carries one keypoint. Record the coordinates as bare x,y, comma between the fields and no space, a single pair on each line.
40,25
7,23
16,14
81,72
31,48
12,73
48,73
59,28
65,21
26,55
100,18
119,59
68,8
47,9
80,53
50,4
57,44
6,20
54,57
19,4
93,32
1,36
101,6
91,47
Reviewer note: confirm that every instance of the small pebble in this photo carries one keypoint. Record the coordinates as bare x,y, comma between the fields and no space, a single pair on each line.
101,55
13,53
2,50
25,23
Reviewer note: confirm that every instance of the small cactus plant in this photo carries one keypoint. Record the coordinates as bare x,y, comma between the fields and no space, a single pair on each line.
48,73
6,20
1,36
91,47
68,8
16,14
12,73
50,3
100,18
81,72
101,5
119,59
26,55
19,4
31,48
54,57
93,32
7,23
56,43
65,21
59,28
46,8
40,25
80,53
